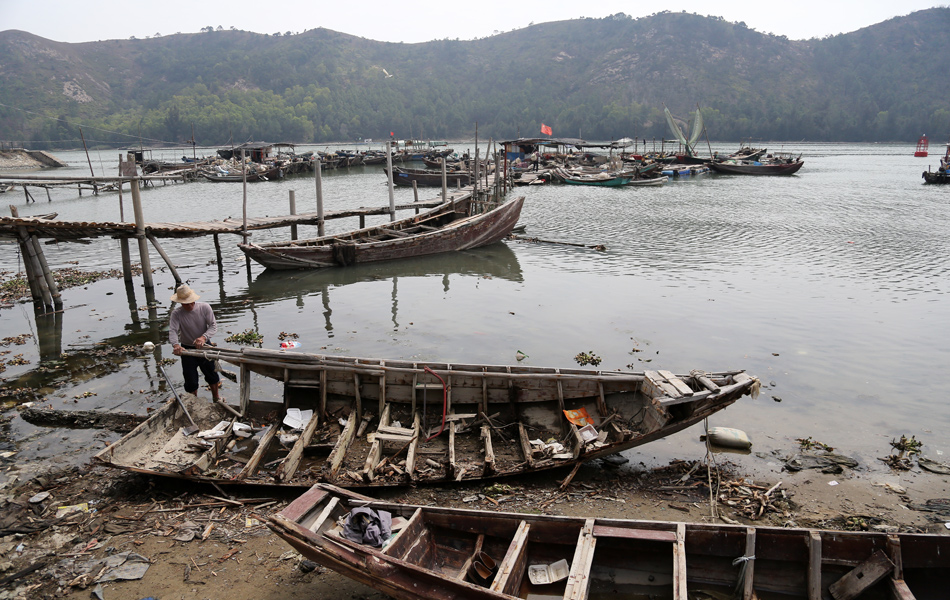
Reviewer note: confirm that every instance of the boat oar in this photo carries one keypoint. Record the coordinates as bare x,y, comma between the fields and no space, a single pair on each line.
185,430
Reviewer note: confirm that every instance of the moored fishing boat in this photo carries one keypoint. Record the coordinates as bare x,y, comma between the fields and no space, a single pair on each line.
942,174
373,422
453,225
435,553
254,173
429,178
772,164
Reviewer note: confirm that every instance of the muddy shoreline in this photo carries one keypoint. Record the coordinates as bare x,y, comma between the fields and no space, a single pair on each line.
202,544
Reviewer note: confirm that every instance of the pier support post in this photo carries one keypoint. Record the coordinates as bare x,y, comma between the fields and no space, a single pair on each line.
38,292
293,211
415,194
445,183
47,274
140,234
389,181
124,242
318,181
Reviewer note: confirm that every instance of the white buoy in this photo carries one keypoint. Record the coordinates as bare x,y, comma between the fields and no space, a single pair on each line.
149,346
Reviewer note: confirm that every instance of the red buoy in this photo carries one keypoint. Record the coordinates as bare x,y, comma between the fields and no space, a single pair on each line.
922,144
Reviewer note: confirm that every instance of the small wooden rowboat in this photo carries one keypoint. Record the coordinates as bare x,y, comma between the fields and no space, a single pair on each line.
439,553
778,165
370,422
430,178
449,227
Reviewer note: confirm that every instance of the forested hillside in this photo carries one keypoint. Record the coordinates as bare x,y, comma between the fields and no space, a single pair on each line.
592,78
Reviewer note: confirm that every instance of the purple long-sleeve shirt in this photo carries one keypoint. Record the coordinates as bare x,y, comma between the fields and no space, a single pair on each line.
185,326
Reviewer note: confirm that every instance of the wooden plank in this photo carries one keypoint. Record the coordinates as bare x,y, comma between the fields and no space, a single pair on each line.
899,590
578,580
324,514
512,567
356,396
748,593
453,468
403,540
467,565
655,386
560,393
251,467
304,504
376,450
396,431
894,553
525,445
288,466
245,388
814,565
653,535
601,401
342,444
676,382
489,467
679,564
388,437
411,453
863,576
704,381
485,390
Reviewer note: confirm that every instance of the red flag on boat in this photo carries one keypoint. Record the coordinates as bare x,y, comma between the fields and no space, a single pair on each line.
545,129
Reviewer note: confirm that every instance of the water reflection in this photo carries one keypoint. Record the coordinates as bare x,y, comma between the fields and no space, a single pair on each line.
269,287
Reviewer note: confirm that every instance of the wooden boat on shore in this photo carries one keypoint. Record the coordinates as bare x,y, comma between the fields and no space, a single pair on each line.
771,165
449,227
429,178
371,422
438,553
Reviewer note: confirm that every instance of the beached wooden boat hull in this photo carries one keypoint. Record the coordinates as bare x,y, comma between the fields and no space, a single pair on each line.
395,422
432,552
446,228
731,168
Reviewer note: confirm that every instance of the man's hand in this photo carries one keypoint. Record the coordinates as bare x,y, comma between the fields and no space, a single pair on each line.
176,350
200,342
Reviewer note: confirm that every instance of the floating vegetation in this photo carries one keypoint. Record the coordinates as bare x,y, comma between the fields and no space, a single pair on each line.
587,358
283,335
85,395
248,337
16,340
17,287
810,444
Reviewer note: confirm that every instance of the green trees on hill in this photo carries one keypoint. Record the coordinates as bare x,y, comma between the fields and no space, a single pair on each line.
592,78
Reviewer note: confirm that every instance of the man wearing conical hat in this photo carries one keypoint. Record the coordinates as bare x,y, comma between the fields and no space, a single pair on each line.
191,326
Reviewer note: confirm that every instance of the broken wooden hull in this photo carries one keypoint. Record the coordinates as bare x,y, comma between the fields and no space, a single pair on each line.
432,550
395,422
447,228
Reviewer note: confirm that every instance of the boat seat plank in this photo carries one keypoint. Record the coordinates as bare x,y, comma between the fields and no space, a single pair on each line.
578,581
402,541
512,567
396,431
343,443
680,591
654,535
324,514
309,498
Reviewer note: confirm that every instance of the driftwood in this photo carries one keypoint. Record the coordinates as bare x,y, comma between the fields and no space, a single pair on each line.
82,419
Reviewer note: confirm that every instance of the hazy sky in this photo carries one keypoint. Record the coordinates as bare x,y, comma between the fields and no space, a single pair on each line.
410,22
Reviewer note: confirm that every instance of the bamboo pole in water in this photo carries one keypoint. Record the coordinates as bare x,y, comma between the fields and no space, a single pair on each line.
47,274
318,181
168,261
293,211
389,181
124,242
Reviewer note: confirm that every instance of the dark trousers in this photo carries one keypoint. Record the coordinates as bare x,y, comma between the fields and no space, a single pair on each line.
189,368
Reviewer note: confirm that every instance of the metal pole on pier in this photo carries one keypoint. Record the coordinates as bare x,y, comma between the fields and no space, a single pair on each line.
389,168
318,181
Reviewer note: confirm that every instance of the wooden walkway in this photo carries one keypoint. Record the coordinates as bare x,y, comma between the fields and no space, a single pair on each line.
10,227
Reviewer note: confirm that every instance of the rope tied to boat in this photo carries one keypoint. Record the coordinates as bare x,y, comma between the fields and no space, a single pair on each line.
744,561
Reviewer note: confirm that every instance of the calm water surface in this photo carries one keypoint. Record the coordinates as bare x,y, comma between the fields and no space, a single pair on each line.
830,286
